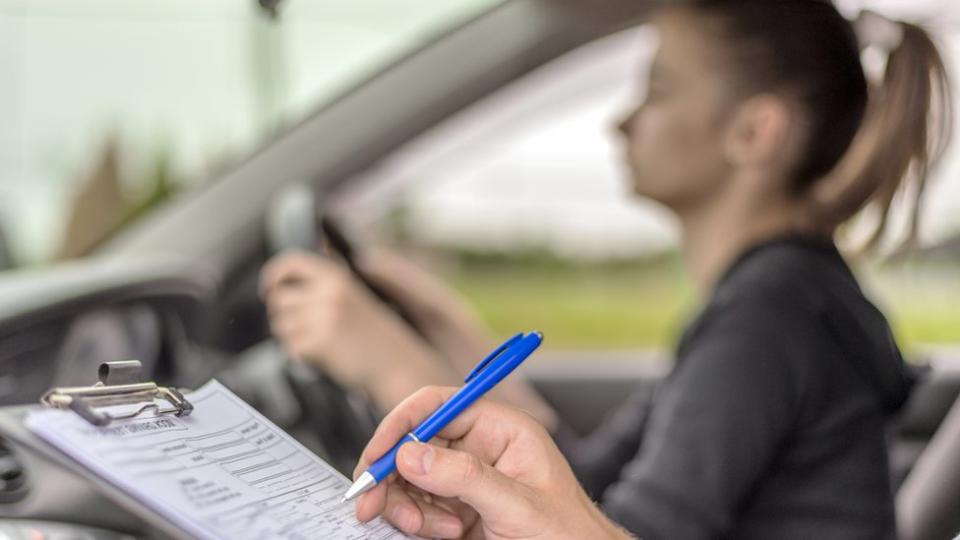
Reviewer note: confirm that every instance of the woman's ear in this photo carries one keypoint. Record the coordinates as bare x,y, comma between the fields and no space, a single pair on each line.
759,134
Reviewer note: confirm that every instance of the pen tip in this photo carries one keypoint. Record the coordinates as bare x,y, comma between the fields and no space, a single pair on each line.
343,499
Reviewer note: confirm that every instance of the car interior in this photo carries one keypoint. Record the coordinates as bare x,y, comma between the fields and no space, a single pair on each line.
178,290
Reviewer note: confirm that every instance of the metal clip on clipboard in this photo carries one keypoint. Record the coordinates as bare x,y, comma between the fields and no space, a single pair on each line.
119,385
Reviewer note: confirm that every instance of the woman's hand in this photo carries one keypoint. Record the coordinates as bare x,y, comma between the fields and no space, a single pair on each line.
322,315
492,473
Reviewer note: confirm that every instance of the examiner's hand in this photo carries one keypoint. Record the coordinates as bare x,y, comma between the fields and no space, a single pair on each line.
492,473
322,315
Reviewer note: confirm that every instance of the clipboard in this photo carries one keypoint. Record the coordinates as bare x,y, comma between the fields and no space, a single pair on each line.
118,384
225,471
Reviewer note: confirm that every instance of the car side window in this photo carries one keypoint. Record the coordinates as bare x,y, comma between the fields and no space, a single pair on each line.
523,203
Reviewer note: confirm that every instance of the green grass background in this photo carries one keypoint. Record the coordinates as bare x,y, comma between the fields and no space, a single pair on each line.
644,303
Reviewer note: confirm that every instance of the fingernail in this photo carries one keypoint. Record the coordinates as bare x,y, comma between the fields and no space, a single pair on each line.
418,457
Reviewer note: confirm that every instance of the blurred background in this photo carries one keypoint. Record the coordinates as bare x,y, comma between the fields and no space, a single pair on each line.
113,110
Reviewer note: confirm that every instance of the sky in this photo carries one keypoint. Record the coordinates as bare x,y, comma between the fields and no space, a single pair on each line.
536,164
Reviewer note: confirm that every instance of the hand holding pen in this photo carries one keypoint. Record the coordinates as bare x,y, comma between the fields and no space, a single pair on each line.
493,469
490,371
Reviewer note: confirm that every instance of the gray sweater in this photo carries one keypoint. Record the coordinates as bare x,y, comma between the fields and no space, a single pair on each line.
771,425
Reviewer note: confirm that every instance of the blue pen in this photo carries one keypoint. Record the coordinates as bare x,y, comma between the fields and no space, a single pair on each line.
490,371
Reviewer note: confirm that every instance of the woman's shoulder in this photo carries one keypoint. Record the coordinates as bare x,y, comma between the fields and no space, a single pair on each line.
776,298
788,275
800,305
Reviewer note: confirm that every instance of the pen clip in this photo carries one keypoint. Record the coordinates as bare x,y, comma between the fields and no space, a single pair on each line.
490,357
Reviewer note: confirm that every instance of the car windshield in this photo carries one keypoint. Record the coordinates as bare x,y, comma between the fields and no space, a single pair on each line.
109,107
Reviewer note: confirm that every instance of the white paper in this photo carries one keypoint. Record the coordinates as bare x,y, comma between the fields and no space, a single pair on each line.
223,472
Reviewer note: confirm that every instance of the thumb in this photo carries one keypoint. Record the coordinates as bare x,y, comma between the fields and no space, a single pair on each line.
452,473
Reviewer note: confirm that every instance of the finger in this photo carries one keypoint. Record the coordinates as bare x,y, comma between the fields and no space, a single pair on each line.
456,507
413,410
413,515
298,342
401,511
372,503
363,464
301,349
287,326
290,311
402,419
474,531
436,521
285,298
287,265
451,473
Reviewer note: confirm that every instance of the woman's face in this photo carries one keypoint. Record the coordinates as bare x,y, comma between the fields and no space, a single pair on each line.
674,138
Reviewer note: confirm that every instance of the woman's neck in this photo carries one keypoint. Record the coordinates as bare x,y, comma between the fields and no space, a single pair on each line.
717,234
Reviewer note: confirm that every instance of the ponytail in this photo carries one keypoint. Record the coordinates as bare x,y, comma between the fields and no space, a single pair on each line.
904,134
868,143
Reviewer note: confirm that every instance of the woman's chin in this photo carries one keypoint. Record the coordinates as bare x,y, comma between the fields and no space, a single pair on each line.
643,191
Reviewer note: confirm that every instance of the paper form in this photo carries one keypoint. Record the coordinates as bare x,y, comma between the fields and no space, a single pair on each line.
224,472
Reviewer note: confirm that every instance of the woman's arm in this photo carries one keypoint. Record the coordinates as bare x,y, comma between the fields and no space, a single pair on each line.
320,314
449,325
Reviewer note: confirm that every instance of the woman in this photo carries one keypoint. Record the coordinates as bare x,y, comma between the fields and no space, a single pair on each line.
758,131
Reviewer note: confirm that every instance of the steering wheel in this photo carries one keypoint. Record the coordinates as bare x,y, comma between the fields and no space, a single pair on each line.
333,421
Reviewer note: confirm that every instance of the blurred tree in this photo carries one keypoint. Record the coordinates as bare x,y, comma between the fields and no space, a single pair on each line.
100,208
6,258
97,207
162,185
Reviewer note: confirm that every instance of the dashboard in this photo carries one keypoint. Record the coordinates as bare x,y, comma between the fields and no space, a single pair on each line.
56,327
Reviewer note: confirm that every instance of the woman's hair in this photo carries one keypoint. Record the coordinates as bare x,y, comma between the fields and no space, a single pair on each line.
865,142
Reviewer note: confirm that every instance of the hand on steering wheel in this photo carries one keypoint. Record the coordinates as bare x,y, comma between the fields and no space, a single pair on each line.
322,315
